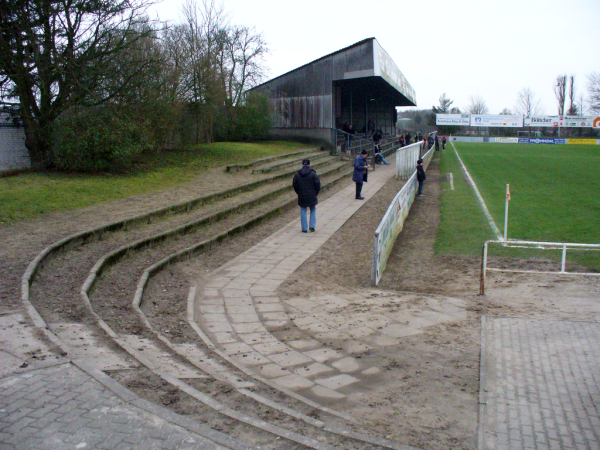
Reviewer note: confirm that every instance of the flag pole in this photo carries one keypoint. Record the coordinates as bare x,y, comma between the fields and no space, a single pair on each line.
506,212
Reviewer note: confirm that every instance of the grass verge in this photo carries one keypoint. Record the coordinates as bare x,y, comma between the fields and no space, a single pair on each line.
28,195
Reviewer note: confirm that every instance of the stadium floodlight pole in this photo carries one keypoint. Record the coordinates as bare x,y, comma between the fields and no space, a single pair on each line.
506,212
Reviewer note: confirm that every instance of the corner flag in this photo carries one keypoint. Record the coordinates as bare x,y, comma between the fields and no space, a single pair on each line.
508,192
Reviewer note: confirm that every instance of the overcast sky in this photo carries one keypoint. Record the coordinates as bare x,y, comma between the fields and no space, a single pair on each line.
487,48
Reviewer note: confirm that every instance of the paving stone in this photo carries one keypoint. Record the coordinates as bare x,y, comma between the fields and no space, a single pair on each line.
313,370
337,381
323,354
304,344
371,371
397,330
235,293
241,309
275,324
218,327
244,318
211,318
269,348
265,300
380,340
272,371
236,348
275,317
248,327
290,358
359,332
257,338
301,304
251,359
346,365
294,382
225,338
269,307
323,392
215,309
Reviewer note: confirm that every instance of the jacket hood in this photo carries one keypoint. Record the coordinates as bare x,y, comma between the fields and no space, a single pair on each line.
305,171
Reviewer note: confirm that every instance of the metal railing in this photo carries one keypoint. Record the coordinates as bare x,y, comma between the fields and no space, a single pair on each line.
539,245
351,145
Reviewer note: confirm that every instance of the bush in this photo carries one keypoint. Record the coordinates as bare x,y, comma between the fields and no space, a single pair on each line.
248,122
102,139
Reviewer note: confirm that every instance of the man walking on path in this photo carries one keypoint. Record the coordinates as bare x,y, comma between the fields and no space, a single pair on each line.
307,185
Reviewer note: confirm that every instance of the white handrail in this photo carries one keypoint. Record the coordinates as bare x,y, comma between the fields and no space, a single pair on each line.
519,243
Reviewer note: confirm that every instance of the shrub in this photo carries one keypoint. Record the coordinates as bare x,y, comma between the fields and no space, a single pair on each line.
102,139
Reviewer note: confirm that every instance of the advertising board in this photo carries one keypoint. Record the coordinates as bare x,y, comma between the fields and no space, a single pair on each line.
488,120
502,140
452,119
540,121
582,141
542,141
560,121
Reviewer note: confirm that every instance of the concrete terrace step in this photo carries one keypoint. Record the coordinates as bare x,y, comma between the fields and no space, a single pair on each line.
258,162
296,161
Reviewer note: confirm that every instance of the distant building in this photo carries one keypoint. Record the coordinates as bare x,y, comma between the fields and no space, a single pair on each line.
13,153
357,84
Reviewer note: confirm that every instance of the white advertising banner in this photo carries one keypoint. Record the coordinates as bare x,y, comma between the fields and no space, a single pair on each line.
509,140
540,121
452,119
488,120
559,121
577,121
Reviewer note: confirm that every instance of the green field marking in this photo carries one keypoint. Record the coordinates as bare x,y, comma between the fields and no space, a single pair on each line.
28,195
555,192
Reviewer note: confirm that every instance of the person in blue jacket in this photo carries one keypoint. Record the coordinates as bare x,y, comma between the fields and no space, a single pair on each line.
361,167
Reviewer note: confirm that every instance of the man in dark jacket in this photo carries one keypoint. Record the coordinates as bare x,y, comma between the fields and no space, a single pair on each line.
307,185
420,176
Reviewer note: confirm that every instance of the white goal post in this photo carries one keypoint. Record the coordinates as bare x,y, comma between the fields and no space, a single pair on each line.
564,246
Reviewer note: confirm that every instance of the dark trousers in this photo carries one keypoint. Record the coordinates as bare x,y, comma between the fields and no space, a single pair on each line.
358,189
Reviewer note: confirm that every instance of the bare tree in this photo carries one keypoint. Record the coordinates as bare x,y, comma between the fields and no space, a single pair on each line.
445,105
560,90
594,91
477,105
527,103
55,54
573,110
505,112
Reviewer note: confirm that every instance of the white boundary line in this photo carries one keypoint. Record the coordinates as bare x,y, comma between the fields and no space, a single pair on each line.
480,198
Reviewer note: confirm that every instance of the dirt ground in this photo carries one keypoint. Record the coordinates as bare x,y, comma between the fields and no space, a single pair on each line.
428,394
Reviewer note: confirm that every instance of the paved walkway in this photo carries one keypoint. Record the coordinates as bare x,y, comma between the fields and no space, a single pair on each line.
540,385
68,406
239,311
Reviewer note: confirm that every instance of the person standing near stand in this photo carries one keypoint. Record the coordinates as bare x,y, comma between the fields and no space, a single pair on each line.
361,167
307,185
443,143
420,176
